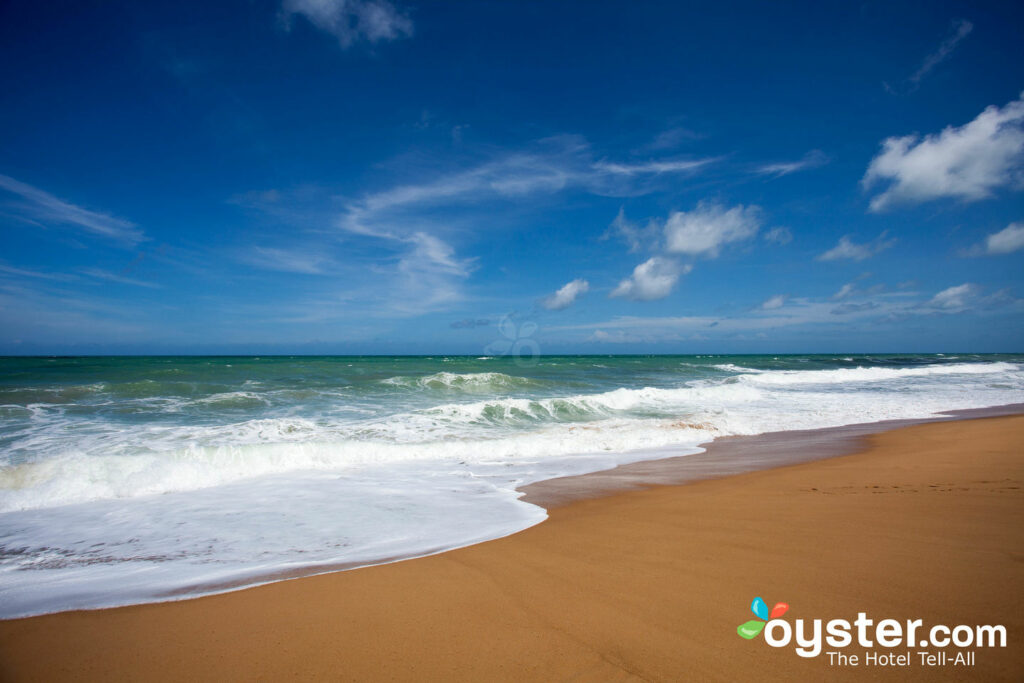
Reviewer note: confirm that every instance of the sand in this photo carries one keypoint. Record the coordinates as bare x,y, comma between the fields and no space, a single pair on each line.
927,522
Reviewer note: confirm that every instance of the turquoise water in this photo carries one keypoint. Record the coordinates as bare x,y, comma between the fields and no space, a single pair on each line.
126,479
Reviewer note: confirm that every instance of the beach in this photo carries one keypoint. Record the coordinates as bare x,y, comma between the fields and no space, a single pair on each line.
925,522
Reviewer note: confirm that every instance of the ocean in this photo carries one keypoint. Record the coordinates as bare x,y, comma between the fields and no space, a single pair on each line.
139,479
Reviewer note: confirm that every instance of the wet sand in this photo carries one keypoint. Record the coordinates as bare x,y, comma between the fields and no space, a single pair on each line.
927,522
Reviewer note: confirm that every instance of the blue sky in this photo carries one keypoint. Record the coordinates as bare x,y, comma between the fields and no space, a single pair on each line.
362,176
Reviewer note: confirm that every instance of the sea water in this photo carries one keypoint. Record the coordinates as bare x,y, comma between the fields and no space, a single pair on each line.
137,479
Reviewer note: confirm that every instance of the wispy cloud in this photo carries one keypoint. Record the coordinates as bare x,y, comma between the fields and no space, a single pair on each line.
960,30
812,159
107,276
638,238
557,164
671,138
430,276
649,167
785,312
305,261
409,213
566,295
469,323
351,21
24,272
955,298
850,250
969,162
779,235
844,291
45,209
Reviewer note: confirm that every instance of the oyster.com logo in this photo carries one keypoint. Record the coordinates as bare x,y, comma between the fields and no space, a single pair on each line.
886,642
753,628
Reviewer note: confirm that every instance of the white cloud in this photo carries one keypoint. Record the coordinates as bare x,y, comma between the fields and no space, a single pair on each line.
549,166
707,228
883,308
635,236
118,278
652,279
969,162
961,29
844,291
22,272
43,207
673,137
351,20
812,159
430,275
848,249
566,295
287,260
779,235
955,298
774,302
1006,241
679,166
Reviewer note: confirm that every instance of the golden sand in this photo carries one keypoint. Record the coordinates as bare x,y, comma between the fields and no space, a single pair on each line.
927,522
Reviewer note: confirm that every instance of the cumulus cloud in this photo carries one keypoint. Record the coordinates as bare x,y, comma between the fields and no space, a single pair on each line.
848,249
42,208
969,162
708,227
566,296
351,20
652,279
774,302
1006,241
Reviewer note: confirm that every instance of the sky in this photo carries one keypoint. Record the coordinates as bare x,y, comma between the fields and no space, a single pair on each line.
371,176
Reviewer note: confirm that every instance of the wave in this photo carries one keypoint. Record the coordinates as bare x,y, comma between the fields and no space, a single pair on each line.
862,374
474,382
50,466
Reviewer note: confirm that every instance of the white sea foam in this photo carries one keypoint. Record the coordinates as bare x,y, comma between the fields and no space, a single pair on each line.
94,514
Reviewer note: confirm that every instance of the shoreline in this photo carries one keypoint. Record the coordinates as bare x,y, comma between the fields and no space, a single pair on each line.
722,457
735,454
926,523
